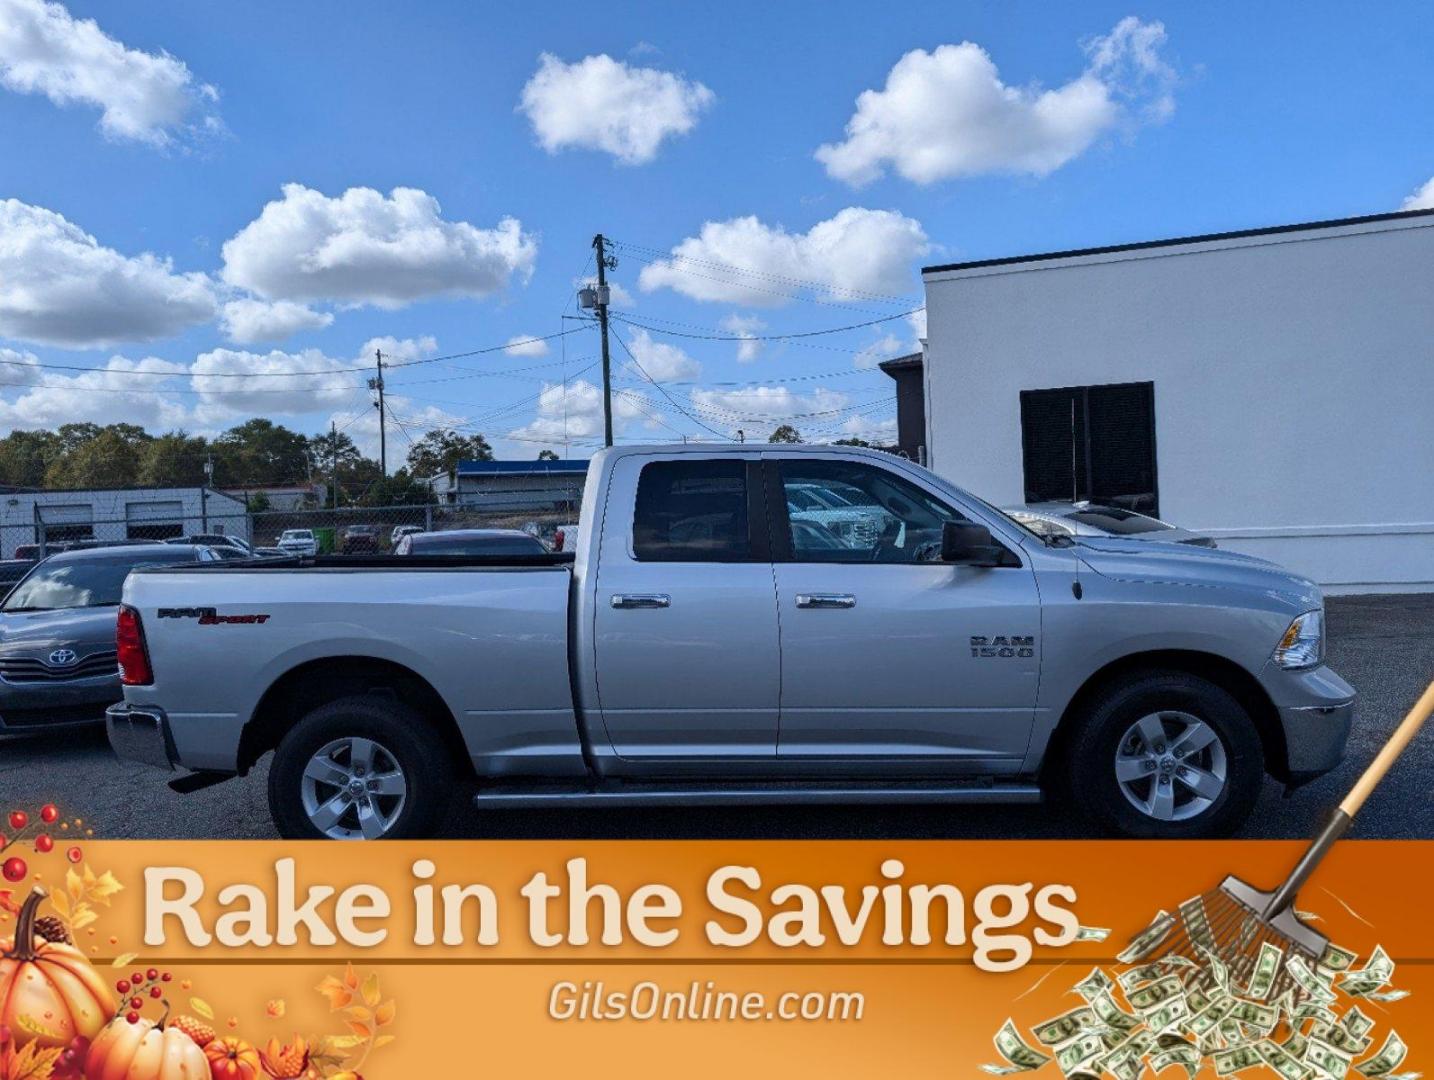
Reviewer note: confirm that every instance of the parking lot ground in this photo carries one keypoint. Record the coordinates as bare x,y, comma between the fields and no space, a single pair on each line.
1384,646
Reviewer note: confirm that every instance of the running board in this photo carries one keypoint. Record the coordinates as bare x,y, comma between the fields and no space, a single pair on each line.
511,795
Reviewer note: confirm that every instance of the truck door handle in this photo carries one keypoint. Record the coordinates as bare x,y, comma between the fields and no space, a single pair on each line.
641,600
826,600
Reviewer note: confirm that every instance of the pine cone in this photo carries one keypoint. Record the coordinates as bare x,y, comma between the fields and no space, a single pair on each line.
52,929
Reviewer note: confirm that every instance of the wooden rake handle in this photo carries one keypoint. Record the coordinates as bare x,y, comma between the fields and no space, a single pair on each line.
1342,818
1386,757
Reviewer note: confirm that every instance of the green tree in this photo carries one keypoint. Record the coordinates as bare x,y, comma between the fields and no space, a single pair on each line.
785,434
400,489
853,441
260,451
109,459
547,455
442,448
174,459
25,455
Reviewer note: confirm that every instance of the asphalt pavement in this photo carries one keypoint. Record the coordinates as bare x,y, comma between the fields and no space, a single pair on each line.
1384,646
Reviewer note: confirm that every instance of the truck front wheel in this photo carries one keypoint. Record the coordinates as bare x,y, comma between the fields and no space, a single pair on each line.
360,768
1165,754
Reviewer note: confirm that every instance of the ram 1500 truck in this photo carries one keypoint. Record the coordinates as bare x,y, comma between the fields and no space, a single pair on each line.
712,641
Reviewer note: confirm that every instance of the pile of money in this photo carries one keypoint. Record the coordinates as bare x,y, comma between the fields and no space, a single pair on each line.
1299,1018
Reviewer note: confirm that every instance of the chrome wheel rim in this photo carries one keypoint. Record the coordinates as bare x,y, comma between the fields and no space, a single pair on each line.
1171,766
354,789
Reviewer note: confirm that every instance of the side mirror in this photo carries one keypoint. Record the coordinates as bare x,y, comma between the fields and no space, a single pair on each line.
968,544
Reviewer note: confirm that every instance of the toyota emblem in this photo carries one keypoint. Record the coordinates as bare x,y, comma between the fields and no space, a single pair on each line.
63,657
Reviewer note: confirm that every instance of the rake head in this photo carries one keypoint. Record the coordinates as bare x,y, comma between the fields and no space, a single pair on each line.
1231,924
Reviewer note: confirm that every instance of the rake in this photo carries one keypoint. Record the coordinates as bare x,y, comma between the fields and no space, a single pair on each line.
1234,921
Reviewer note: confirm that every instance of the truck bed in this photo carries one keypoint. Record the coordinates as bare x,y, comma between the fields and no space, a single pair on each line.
373,562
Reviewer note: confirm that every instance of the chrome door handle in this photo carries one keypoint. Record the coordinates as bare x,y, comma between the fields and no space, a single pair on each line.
826,600
641,600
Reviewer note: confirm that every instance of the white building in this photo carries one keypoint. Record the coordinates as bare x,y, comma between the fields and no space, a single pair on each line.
554,485
138,513
1273,388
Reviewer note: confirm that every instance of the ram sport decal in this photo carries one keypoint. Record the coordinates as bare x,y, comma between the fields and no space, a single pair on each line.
1003,646
209,616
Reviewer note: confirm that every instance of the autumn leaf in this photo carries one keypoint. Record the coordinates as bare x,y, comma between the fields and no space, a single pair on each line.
371,994
343,1042
123,960
33,1063
383,1040
384,1014
74,885
351,979
276,1008
359,1013
338,994
84,915
363,1031
61,903
202,1007
103,888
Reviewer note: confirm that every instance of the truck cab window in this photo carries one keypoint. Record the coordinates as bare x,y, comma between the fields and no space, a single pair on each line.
692,511
845,511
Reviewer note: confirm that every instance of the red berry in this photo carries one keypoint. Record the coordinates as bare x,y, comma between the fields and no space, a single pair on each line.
166,977
132,1017
155,992
136,1003
152,974
74,854
19,819
49,813
43,844
14,869
137,978
122,986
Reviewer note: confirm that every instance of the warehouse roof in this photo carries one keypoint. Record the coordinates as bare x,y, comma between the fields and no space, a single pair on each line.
1206,238
485,468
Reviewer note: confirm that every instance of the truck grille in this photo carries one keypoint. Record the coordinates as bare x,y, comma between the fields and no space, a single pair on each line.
29,669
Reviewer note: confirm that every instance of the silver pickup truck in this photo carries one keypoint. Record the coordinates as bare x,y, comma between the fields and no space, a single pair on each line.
742,624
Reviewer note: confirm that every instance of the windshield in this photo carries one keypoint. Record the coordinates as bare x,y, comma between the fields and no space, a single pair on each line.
297,534
78,583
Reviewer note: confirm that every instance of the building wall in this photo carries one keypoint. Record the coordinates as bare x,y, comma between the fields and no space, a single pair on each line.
110,512
1293,379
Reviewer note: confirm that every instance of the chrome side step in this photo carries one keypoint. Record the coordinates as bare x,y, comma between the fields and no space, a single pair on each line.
510,795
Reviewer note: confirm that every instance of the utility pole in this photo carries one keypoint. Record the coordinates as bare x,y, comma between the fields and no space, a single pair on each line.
376,383
334,455
603,266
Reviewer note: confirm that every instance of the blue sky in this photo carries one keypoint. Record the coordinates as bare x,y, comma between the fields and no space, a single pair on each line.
1071,125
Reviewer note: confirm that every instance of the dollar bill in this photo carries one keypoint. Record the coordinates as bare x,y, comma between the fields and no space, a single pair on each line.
1313,1010
1328,1060
1092,933
1168,1015
1374,975
1067,1026
1259,1016
1153,995
1020,1056
1282,1061
1335,958
1208,1019
1094,984
1219,973
1267,966
1387,995
1186,1056
1079,1052
1340,1037
1197,923
1296,1044
1144,973
1112,1015
1308,981
1149,939
1236,1059
1355,1022
1391,1055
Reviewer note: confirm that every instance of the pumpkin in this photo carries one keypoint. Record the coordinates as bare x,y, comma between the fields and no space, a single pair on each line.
49,993
144,1050
232,1059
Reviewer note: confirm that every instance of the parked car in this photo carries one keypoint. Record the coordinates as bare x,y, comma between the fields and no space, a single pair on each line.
565,537
57,634
400,531
358,540
1090,519
702,650
220,541
33,552
298,542
471,542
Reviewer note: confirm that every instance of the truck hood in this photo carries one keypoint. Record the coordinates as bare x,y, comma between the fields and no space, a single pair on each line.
1184,564
86,630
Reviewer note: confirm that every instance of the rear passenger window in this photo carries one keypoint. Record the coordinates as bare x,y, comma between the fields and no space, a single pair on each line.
692,511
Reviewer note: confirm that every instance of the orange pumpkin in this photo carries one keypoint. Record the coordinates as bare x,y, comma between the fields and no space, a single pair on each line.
144,1051
49,993
232,1059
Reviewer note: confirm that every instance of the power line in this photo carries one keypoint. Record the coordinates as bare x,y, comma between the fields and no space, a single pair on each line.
641,371
769,337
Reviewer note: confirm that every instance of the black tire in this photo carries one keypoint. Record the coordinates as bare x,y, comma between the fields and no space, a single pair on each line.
1088,773
404,736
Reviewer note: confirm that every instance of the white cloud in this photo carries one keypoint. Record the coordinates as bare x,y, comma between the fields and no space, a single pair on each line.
1423,199
758,410
526,345
947,114
745,327
416,419
363,247
856,253
574,412
59,286
398,348
249,321
883,348
145,97
661,362
917,321
331,382
599,103
119,389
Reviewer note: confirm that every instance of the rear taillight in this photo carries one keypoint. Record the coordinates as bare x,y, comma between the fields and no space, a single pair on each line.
558,540
129,643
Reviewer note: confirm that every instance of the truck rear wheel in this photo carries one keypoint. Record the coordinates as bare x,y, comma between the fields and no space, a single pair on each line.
1165,755
360,768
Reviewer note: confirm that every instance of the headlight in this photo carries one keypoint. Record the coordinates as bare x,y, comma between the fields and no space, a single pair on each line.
1303,643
